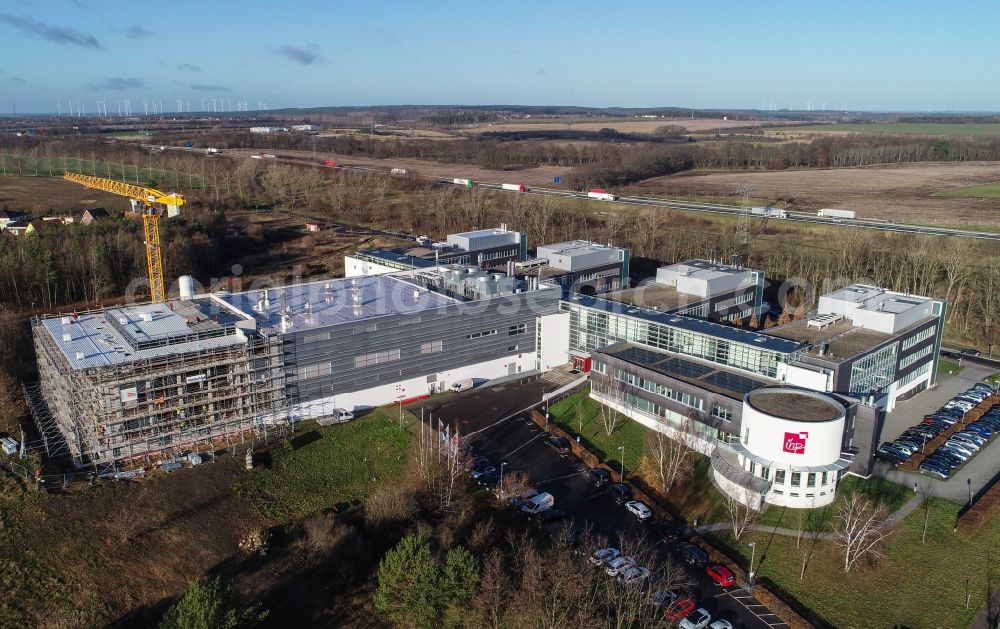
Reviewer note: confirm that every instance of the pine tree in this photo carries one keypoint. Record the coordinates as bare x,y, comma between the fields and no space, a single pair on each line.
211,604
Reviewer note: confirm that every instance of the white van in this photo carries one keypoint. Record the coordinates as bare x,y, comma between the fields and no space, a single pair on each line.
538,503
461,385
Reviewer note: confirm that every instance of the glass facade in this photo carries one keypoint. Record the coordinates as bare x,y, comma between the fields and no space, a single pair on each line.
592,329
874,372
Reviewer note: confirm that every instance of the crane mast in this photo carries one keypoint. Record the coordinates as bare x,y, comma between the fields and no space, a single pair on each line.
150,199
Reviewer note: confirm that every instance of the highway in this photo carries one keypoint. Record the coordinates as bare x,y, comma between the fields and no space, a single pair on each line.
648,201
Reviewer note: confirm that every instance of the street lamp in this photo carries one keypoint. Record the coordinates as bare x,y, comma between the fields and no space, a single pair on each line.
969,481
753,551
502,463
622,448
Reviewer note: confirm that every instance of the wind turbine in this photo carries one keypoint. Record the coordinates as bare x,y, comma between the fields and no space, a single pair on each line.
145,106
180,106
59,107
161,107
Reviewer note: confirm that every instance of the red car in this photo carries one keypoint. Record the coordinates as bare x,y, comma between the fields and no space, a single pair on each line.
721,575
680,608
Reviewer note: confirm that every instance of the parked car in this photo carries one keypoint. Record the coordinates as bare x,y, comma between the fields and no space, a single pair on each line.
721,624
461,385
721,575
633,575
621,492
971,351
639,510
560,445
618,565
342,415
934,472
692,555
603,555
548,515
678,609
698,619
600,477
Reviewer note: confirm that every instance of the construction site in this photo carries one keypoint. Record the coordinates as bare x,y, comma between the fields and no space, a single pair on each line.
132,385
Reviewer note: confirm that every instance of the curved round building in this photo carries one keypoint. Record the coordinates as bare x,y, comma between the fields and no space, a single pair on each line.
789,452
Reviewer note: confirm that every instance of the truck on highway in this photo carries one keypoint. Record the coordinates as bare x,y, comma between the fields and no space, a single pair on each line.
462,182
769,212
602,194
514,187
211,151
836,214
331,163
398,171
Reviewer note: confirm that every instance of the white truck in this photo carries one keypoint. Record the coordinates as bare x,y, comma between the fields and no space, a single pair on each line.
836,214
397,171
602,194
514,187
769,212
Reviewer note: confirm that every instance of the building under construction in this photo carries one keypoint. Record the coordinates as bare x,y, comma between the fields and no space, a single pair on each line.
143,383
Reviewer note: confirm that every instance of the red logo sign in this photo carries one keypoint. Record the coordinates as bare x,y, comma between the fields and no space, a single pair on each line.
795,442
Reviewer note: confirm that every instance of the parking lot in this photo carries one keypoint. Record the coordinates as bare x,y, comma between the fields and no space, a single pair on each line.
519,445
980,470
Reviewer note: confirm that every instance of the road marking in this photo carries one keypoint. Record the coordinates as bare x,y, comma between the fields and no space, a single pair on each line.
757,615
511,453
549,480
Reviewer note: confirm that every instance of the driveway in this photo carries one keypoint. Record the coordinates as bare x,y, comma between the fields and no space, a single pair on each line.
520,445
977,474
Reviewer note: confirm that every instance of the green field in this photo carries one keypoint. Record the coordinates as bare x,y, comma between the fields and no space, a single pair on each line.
904,128
322,467
984,191
918,585
579,415
142,175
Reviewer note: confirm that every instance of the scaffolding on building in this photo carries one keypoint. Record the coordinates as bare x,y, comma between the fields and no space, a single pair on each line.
138,412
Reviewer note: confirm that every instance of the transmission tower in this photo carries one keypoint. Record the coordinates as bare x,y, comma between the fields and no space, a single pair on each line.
743,225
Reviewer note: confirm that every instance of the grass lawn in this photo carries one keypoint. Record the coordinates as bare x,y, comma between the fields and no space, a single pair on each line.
322,467
946,367
580,415
904,128
985,191
918,585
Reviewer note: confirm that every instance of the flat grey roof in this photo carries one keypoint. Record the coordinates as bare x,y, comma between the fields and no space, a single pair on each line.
655,296
846,340
333,302
705,269
139,332
573,248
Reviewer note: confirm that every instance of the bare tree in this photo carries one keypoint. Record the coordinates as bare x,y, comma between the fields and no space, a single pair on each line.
512,485
673,457
441,459
742,514
859,529
612,391
926,490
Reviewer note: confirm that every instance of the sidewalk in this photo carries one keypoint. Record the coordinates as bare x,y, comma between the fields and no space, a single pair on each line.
893,520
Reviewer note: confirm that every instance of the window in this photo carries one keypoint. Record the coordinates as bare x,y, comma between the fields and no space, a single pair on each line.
753,467
431,348
517,329
377,358
796,479
779,492
431,379
512,348
722,412
315,371
599,367
765,472
779,477
906,361
794,494
822,480
313,338
811,479
476,335
922,335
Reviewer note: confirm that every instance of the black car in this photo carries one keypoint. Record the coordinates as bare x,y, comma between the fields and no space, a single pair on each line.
971,351
560,445
667,531
549,515
692,555
489,479
621,492
600,477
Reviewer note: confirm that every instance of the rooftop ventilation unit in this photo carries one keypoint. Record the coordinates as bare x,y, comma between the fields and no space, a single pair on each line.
822,321
147,317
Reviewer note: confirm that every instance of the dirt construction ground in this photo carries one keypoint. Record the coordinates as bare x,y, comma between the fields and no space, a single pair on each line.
40,196
903,193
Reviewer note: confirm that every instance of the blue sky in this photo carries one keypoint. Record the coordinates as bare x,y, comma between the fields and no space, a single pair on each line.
867,55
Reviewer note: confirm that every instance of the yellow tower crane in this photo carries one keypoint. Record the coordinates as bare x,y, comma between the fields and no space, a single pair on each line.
149,198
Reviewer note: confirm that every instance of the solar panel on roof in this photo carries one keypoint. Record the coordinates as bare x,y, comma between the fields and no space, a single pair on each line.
641,356
732,382
683,368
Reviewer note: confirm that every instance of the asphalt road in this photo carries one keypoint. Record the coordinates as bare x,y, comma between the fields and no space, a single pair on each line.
497,429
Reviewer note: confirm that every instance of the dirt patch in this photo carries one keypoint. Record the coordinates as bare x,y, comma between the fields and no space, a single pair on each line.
45,196
903,193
